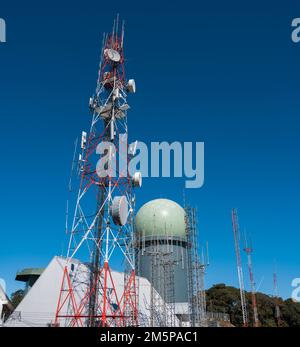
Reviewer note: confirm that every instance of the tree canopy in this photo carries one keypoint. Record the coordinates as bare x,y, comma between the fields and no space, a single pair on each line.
16,297
226,299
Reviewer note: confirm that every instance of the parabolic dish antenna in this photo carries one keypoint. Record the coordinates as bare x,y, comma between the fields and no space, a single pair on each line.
113,55
119,210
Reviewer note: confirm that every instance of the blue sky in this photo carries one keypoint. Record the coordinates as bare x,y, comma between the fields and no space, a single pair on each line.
226,73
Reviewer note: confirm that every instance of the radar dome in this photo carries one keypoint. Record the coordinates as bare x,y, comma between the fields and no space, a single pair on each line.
161,218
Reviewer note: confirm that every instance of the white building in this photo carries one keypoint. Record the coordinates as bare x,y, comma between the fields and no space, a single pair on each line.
5,304
38,308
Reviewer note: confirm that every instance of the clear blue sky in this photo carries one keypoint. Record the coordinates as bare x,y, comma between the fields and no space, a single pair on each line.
225,73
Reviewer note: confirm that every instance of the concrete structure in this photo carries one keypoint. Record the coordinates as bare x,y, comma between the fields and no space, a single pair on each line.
29,276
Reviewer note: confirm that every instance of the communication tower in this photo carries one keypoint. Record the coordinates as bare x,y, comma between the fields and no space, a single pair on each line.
236,232
196,271
102,229
249,249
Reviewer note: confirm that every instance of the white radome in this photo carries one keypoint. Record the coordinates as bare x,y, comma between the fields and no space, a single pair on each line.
131,87
137,179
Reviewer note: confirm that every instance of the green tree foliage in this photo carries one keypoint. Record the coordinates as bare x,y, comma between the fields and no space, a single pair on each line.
226,299
291,313
17,297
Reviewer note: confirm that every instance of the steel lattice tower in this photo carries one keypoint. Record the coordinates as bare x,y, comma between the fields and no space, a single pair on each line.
249,249
276,297
196,271
102,227
236,232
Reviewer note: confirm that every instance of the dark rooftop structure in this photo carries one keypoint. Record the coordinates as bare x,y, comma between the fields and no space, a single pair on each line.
29,276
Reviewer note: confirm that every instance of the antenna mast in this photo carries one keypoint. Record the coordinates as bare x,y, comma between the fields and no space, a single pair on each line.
236,232
102,229
276,296
249,249
196,271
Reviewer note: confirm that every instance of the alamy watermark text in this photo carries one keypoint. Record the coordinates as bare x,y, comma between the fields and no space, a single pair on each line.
296,30
2,30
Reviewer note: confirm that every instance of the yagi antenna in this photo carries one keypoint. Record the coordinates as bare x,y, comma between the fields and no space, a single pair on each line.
122,35
117,26
72,165
207,254
67,216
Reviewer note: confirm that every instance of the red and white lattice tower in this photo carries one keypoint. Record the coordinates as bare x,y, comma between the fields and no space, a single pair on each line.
249,249
102,227
236,232
276,297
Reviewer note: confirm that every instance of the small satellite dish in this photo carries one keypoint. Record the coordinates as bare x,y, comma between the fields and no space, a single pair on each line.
116,93
119,210
131,86
124,107
112,55
137,179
